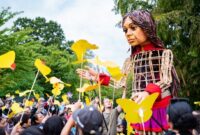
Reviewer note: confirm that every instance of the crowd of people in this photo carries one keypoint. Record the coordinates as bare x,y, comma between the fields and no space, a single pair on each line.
46,118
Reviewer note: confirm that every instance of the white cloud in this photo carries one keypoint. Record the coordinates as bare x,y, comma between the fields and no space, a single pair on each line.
52,5
92,20
95,22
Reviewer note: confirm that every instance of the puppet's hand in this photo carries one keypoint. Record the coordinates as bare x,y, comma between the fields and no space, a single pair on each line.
139,96
87,73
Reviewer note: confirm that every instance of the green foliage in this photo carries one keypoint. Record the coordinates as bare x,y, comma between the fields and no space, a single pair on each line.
6,15
47,32
178,25
124,6
27,49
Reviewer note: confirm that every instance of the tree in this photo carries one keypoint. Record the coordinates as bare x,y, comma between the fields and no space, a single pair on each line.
124,6
47,32
27,49
179,27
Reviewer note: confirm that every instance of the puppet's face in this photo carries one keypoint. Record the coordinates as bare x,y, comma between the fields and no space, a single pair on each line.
134,34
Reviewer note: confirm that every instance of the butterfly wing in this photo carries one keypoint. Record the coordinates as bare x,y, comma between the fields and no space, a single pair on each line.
56,91
45,70
7,59
91,87
115,73
80,47
131,110
147,104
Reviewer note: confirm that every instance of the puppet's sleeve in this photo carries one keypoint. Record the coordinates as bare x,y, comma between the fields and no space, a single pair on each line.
107,80
165,74
104,79
126,69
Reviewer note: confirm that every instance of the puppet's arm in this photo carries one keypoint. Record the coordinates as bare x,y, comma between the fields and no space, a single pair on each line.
126,69
166,70
165,74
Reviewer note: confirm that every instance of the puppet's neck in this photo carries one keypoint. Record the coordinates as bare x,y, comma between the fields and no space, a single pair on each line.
146,47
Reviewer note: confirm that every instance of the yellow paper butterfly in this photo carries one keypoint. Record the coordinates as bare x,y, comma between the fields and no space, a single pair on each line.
80,47
16,108
97,61
17,92
113,69
44,70
24,92
87,101
65,99
37,96
115,72
138,113
56,92
129,129
7,60
54,80
197,103
86,87
28,103
59,86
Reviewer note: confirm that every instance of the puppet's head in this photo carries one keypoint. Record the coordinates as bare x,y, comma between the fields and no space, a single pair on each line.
145,21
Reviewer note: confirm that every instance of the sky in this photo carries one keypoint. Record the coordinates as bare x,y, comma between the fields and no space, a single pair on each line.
92,20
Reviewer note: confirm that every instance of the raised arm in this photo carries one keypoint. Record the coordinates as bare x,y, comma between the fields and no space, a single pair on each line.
105,79
126,69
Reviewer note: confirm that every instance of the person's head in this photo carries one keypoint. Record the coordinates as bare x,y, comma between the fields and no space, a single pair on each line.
32,131
27,109
3,122
54,109
69,111
88,120
54,125
107,103
140,28
180,116
37,118
25,121
41,101
120,127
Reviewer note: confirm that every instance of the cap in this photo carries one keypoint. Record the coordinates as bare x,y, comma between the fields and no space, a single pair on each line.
89,119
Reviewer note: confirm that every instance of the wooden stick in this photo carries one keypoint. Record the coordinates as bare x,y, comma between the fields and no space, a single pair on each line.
29,94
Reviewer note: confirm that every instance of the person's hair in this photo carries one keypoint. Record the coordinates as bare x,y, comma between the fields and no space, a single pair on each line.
33,130
25,119
54,109
54,125
180,114
34,119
